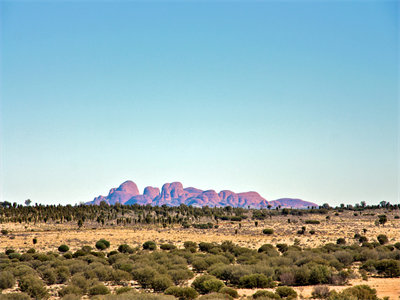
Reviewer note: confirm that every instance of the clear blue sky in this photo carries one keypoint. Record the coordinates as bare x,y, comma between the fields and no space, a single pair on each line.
290,99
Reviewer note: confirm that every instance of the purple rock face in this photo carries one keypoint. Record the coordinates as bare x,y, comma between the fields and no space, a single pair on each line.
151,192
173,194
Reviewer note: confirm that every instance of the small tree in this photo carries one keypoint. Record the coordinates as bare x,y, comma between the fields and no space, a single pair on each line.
382,219
149,245
63,248
382,239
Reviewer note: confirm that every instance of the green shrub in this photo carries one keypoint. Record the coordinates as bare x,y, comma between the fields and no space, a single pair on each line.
229,291
99,289
80,281
286,292
161,282
102,244
31,250
14,255
7,280
167,247
4,231
256,281
206,284
200,264
33,286
268,249
191,246
265,295
357,292
63,248
268,231
149,245
282,247
182,293
15,296
63,274
122,290
180,275
388,267
341,241
215,296
125,249
382,239
144,276
312,222
70,290
49,276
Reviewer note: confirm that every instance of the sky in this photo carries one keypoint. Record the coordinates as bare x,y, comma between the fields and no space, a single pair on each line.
289,99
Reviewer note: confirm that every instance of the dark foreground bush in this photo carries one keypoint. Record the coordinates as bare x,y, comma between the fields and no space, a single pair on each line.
229,291
256,281
167,247
355,292
388,267
102,244
160,283
149,245
182,293
99,289
265,294
70,290
63,248
33,286
268,231
286,292
14,296
206,284
125,249
7,280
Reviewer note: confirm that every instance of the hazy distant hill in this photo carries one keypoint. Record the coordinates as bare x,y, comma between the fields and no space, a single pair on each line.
173,194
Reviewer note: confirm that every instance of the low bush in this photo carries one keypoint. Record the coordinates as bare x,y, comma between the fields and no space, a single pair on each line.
99,289
63,248
265,295
15,296
382,239
7,280
167,247
312,222
256,281
149,245
101,244
70,290
268,231
33,286
388,267
229,291
160,283
182,293
122,290
206,284
320,292
286,292
355,292
125,249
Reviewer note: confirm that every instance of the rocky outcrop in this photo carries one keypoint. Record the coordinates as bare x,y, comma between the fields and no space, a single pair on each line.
173,194
292,203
